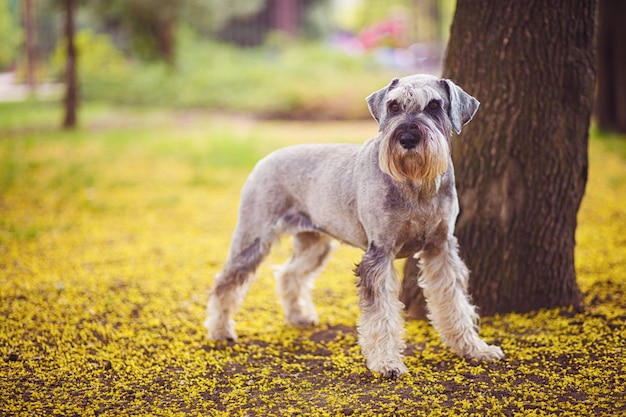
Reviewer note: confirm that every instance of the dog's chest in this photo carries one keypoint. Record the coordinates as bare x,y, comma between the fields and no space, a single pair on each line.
418,222
420,228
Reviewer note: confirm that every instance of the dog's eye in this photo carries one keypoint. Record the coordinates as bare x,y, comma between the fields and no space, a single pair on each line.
394,107
433,105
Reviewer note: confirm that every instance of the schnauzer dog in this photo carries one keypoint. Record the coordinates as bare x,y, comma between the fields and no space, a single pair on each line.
393,197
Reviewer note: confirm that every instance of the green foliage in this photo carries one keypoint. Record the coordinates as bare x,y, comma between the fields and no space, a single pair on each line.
282,78
14,116
613,141
422,15
214,14
10,34
100,65
150,24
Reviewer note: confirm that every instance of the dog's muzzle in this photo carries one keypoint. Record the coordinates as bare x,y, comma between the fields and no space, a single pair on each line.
409,136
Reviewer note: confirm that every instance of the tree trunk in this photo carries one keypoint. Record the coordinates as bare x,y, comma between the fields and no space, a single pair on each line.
71,84
29,44
611,99
521,164
164,34
286,16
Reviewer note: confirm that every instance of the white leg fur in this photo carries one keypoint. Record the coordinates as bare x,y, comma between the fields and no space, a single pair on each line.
295,278
381,326
221,307
232,283
444,279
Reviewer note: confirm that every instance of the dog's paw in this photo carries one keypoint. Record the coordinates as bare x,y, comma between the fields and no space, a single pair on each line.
389,370
394,373
299,319
492,353
216,332
486,353
227,336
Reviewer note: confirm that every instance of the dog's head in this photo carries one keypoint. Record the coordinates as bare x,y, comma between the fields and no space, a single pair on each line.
416,117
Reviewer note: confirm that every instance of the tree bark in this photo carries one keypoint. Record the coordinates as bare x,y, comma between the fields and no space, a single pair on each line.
521,164
611,98
164,34
286,16
71,83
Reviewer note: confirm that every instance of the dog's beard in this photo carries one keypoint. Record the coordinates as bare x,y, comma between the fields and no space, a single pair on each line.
427,161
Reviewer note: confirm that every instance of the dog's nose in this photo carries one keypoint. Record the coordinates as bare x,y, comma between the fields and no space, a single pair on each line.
408,140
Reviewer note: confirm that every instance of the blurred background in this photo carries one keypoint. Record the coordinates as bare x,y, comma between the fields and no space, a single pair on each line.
297,59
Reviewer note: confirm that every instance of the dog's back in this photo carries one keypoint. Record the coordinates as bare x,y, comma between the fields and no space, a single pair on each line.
315,181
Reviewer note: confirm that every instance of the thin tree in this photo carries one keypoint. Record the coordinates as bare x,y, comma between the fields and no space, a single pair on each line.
611,99
29,44
521,164
71,82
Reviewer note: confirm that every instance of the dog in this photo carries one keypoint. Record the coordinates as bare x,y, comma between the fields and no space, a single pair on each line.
393,197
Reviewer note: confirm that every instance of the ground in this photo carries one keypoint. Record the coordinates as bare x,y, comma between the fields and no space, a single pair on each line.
109,240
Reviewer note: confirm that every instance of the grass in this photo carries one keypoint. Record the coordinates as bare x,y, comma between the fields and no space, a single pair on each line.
109,240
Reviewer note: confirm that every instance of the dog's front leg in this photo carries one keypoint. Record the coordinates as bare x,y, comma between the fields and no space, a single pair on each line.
381,327
444,278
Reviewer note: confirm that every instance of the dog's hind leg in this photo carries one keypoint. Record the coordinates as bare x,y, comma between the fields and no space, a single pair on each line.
232,283
295,278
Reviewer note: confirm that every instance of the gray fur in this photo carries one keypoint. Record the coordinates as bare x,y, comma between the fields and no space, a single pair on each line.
393,197
462,108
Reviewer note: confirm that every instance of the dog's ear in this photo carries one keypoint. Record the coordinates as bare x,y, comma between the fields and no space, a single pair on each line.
376,100
462,106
